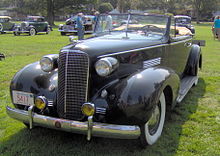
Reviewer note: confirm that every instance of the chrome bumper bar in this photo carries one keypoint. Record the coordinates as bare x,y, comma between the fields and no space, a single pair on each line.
98,129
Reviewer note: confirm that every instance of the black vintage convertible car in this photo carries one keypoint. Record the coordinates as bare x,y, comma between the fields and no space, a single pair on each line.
70,26
118,83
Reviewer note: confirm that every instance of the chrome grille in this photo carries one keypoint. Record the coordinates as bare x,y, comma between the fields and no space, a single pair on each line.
73,69
23,25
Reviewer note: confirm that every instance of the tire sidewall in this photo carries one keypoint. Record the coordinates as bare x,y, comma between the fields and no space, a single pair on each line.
30,31
1,27
48,30
147,138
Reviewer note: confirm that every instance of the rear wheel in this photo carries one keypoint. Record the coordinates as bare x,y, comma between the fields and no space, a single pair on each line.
48,30
63,33
32,32
152,130
16,33
193,67
1,27
194,70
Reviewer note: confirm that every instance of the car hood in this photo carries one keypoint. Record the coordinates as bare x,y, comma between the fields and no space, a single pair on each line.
95,47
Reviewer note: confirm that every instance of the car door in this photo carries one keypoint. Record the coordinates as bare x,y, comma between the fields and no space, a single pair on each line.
41,24
8,26
178,48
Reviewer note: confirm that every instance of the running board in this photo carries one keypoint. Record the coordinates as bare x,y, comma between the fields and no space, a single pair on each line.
185,85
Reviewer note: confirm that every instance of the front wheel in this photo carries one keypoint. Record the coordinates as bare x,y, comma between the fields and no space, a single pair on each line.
151,131
32,32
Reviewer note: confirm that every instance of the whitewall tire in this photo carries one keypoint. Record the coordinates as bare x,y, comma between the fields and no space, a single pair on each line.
152,130
32,32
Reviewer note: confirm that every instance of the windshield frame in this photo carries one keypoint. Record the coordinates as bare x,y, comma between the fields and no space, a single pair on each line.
128,19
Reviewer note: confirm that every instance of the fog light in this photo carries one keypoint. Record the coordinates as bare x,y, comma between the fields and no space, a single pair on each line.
41,102
88,109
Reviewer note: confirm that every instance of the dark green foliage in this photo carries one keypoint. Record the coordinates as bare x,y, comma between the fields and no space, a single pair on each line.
105,7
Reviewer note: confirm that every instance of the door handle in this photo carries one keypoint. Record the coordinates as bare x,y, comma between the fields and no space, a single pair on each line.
188,44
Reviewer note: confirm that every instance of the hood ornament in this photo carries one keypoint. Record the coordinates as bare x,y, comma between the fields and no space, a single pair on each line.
72,39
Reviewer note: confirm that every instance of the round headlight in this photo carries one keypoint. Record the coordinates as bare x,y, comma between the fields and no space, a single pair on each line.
106,66
26,24
41,102
48,62
61,26
88,109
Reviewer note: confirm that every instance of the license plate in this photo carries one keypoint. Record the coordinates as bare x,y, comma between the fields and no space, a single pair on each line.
23,98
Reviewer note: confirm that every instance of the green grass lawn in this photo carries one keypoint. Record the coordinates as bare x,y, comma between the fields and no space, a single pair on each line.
193,128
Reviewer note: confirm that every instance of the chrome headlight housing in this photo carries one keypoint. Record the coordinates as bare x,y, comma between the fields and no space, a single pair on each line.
60,26
49,62
26,24
105,66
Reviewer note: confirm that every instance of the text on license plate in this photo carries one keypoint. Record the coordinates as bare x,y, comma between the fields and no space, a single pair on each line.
23,98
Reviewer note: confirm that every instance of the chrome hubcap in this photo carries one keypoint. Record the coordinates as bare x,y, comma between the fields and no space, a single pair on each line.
32,31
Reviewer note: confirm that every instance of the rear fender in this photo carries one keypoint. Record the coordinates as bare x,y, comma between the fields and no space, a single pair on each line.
194,56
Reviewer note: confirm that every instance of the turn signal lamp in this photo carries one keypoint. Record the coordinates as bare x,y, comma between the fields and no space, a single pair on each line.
88,109
41,102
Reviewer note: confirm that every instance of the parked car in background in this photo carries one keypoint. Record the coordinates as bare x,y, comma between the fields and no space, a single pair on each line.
184,21
5,24
70,25
120,83
32,26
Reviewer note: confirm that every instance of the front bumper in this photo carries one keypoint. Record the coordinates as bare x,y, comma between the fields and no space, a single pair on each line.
73,31
98,129
22,30
67,31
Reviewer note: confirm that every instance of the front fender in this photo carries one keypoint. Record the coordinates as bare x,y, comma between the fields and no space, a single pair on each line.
32,79
137,95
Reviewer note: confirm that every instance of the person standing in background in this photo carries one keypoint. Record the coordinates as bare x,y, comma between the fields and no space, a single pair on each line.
108,22
80,26
216,27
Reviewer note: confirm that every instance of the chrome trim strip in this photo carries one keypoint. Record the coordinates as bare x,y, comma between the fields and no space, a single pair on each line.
133,50
152,62
144,48
98,129
99,110
66,64
50,103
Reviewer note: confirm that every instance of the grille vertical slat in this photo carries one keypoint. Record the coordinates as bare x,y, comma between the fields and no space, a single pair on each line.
72,84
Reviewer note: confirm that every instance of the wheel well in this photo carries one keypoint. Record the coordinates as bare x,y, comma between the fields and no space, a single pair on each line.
168,97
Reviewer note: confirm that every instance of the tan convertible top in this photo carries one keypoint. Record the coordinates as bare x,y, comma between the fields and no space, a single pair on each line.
5,17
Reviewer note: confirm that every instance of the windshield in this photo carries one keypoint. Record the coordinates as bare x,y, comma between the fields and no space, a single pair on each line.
131,26
32,19
183,20
4,19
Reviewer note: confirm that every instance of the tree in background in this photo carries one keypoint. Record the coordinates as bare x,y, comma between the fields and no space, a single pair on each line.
201,9
105,7
204,8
